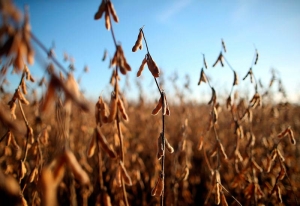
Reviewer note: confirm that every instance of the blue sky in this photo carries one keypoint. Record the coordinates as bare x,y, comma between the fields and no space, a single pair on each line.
177,32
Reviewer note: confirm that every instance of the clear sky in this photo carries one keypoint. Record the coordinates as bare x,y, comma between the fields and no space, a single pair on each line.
177,32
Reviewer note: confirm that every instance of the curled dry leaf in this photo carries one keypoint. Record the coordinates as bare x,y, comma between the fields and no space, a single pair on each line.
104,144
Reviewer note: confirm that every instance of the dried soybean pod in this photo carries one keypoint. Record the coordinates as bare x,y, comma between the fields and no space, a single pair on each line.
283,133
21,97
291,135
122,109
166,106
278,193
280,156
216,62
169,146
104,144
138,43
113,107
106,199
141,67
135,48
213,98
222,150
158,107
223,200
158,188
282,171
13,107
185,173
217,195
107,19
202,77
22,170
152,66
112,11
236,80
221,60
254,163
125,175
92,146
104,111
77,170
100,11
30,135
33,174
160,149
218,187
23,86
119,177
14,142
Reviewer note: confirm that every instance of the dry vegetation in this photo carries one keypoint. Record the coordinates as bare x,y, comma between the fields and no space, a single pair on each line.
63,150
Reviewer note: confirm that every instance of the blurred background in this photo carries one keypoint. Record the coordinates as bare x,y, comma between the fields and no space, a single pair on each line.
178,33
